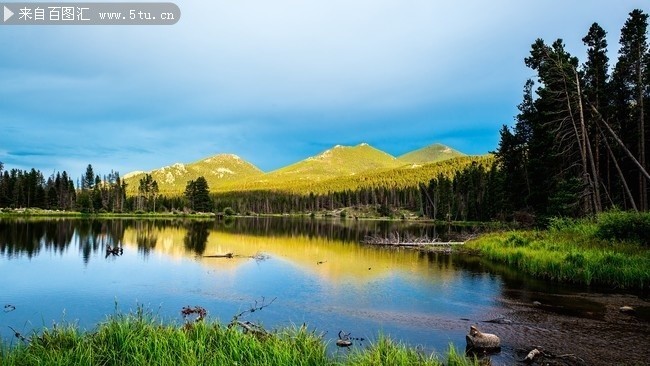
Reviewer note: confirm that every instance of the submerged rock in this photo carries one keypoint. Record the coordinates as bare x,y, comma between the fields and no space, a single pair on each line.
476,339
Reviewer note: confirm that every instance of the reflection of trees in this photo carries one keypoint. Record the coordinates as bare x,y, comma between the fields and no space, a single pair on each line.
30,237
58,234
95,235
146,236
196,236
20,237
343,230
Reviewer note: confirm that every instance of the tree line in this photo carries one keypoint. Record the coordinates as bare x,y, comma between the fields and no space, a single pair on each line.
578,145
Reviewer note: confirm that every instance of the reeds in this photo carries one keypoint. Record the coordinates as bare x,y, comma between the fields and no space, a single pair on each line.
570,251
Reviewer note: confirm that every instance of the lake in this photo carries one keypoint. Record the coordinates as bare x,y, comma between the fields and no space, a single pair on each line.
308,271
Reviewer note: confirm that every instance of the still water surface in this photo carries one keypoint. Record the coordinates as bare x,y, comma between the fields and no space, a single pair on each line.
317,271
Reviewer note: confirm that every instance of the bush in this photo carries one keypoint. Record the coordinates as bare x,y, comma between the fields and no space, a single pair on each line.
228,211
620,225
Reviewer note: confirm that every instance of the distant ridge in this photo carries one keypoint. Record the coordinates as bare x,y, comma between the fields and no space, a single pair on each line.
217,170
430,154
335,162
338,166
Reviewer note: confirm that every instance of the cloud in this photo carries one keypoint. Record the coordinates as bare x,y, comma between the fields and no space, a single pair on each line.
277,81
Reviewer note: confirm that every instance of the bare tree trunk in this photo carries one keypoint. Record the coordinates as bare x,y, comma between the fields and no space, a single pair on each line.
621,144
589,205
586,143
620,173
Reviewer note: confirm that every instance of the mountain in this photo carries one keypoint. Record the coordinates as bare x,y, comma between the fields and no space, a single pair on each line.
338,168
336,162
430,154
217,170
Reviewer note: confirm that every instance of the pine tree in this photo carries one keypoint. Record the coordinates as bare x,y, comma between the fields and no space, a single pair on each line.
629,85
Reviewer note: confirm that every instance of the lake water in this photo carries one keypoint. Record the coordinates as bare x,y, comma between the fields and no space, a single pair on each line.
315,271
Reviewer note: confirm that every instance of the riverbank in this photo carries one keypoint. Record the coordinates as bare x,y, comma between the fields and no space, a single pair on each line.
132,340
323,215
610,251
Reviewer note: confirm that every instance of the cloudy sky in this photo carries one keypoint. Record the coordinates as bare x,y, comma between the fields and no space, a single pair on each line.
277,81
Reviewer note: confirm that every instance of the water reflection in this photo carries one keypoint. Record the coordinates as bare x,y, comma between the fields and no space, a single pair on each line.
196,237
317,269
29,237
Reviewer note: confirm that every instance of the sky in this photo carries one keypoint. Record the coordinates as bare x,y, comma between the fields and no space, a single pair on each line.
277,81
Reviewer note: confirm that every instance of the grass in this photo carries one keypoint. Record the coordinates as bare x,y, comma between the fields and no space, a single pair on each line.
37,212
136,340
571,251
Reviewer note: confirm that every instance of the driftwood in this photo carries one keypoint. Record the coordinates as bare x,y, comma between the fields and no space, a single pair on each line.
539,356
252,328
227,255
478,340
257,256
394,239
530,357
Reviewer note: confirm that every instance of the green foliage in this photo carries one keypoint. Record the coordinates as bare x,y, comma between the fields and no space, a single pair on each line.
384,210
569,252
139,339
624,226
198,195
228,211
84,202
387,352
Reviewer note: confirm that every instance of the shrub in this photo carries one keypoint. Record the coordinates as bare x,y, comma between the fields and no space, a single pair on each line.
622,226
228,211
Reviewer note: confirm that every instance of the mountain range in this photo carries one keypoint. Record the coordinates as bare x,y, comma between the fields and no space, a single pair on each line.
351,164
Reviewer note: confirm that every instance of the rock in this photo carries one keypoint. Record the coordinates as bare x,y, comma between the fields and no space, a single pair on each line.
476,339
343,343
531,355
627,309
537,303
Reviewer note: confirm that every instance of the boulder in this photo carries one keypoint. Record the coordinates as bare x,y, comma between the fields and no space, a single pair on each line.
478,340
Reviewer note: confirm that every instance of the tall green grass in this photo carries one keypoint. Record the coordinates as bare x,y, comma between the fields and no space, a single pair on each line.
571,251
137,340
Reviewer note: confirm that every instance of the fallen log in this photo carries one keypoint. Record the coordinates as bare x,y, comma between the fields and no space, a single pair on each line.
478,340
227,255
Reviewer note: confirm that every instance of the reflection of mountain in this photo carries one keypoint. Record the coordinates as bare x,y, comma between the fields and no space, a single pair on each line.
301,242
341,262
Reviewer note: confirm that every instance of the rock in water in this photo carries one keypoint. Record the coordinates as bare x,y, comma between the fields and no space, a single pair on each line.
476,339
627,309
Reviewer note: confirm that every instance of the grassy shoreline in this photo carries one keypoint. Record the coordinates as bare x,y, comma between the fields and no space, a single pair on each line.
132,340
41,213
570,252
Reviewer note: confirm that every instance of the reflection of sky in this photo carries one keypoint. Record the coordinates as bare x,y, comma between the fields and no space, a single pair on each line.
277,81
421,309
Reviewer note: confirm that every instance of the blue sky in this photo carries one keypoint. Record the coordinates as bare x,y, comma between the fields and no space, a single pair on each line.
277,81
